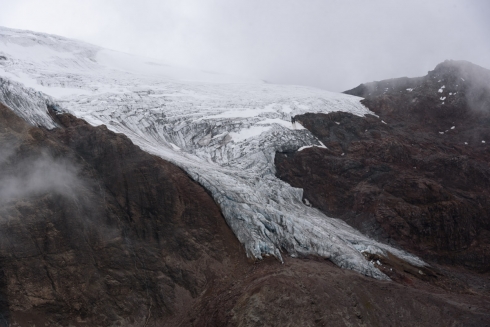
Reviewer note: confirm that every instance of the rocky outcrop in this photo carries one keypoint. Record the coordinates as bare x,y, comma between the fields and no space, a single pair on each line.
308,292
418,174
97,232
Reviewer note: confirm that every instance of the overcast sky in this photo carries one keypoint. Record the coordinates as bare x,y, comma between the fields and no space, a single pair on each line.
330,44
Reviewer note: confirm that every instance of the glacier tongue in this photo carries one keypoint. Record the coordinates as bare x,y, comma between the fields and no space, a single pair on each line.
223,131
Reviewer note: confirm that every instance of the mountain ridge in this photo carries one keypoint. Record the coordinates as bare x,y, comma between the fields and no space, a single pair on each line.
419,177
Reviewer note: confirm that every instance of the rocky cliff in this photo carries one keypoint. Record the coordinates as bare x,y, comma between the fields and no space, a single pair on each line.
416,175
95,231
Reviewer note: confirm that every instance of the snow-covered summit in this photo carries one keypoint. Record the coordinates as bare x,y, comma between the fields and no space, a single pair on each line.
224,131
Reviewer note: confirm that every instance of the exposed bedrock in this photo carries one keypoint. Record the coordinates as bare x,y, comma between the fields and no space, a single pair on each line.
95,231
418,175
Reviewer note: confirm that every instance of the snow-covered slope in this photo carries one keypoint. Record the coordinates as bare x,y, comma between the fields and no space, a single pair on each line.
223,130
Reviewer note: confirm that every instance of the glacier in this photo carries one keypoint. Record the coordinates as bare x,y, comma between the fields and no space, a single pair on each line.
222,130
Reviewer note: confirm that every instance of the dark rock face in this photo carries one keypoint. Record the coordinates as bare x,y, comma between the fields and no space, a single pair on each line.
417,176
316,293
98,232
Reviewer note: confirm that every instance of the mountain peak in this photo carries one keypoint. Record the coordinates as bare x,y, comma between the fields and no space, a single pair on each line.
470,80
462,68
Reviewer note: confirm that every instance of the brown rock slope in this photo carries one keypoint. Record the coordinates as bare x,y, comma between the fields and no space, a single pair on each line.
96,232
417,176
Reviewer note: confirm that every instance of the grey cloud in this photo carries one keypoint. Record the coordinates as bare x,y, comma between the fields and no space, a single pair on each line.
35,176
334,45
25,181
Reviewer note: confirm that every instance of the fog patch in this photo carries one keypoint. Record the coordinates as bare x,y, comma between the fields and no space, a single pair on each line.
35,176
43,189
6,151
39,180
478,86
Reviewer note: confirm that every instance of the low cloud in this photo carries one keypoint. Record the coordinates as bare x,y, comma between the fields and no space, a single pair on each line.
335,45
35,176
49,185
478,88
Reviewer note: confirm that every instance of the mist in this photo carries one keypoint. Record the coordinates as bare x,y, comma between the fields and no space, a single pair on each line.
40,187
334,45
478,88
37,175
